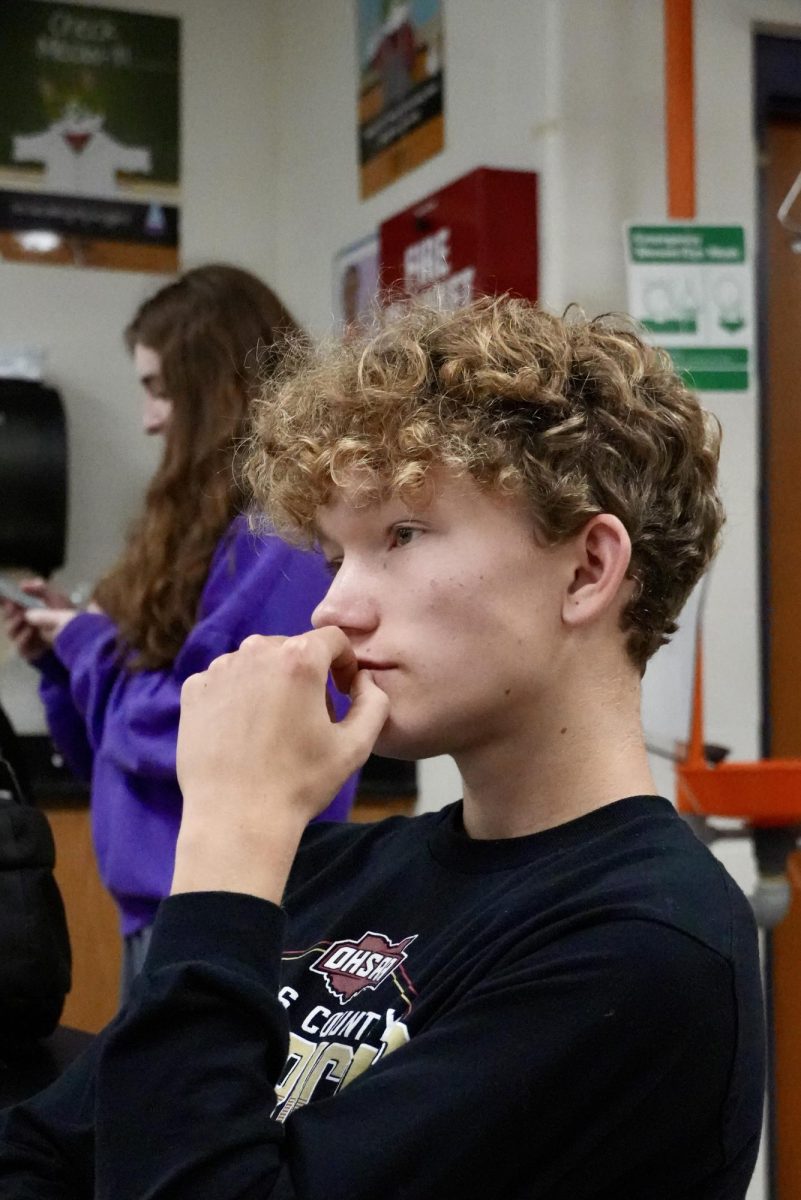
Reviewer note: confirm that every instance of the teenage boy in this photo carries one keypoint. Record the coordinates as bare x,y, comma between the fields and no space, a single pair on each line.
549,989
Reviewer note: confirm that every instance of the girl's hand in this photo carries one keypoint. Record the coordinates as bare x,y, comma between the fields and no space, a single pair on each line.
50,597
49,622
30,638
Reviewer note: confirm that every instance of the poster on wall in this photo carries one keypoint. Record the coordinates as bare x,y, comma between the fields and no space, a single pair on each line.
400,103
89,136
355,285
691,288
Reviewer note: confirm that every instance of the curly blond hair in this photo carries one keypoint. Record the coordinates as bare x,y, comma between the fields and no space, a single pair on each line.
577,416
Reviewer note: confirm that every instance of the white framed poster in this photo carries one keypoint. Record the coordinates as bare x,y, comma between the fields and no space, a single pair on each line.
401,120
89,136
356,284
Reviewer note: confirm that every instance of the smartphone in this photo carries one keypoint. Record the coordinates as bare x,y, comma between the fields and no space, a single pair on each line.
10,591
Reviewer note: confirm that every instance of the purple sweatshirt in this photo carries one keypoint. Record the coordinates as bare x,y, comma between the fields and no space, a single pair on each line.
119,728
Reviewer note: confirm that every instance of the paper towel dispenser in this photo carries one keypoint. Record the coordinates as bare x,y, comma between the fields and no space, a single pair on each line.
33,477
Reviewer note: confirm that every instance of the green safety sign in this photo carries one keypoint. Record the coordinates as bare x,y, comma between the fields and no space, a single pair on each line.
690,288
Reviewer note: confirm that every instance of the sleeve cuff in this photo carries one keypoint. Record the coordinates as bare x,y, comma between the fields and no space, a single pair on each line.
83,628
229,929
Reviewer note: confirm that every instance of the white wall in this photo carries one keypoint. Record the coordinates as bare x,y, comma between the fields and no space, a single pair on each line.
497,79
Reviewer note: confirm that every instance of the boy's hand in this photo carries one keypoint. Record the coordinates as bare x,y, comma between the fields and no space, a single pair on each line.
259,756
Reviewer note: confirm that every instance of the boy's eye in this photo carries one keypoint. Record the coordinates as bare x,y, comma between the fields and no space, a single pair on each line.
403,534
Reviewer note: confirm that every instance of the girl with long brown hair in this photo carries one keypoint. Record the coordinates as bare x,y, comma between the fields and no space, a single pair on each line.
192,582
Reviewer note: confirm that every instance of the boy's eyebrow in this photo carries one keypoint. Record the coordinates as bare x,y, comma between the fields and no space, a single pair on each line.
380,512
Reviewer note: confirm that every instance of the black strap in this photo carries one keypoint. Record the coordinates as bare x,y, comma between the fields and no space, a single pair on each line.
13,762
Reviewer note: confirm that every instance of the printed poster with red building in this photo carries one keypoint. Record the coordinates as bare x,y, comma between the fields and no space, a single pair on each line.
400,103
89,141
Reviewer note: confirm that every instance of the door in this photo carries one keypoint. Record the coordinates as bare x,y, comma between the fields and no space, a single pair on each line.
781,415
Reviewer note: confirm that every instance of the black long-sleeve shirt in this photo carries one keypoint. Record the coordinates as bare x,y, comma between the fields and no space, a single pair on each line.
574,1014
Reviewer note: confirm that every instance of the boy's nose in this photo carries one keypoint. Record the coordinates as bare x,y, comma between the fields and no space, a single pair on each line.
347,603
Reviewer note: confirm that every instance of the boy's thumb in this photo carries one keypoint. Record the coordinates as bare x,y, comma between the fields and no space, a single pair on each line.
367,716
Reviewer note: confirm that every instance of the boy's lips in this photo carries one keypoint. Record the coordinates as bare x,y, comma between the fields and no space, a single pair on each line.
366,664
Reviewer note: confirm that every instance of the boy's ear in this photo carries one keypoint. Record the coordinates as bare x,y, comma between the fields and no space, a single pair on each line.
603,554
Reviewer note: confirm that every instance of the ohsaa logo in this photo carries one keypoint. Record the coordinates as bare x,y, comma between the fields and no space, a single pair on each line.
350,967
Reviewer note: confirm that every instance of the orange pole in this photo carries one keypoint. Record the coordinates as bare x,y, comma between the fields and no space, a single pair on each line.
694,759
679,108
695,750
